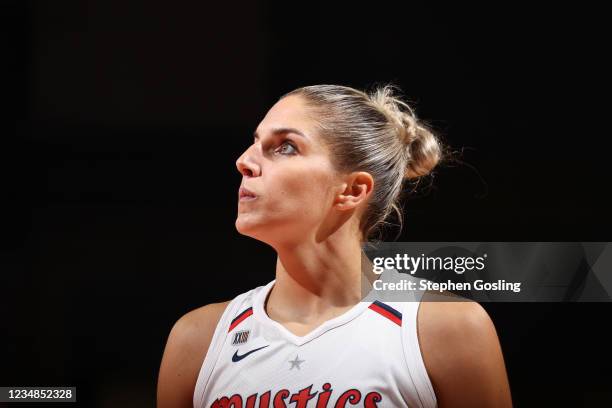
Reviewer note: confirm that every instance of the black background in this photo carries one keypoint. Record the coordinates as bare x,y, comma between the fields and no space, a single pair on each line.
124,121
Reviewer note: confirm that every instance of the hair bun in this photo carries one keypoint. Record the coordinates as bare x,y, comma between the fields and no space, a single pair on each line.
424,153
423,149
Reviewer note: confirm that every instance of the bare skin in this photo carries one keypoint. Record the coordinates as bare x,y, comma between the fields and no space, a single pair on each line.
185,350
318,269
462,355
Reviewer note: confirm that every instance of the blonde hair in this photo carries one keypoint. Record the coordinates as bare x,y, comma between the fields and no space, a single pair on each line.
378,133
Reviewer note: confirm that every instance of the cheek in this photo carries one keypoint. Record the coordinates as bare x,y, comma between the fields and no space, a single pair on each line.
306,190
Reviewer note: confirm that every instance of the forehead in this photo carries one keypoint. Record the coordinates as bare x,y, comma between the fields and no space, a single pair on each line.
290,111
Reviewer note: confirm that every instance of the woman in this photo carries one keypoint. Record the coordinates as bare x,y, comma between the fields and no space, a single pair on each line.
324,172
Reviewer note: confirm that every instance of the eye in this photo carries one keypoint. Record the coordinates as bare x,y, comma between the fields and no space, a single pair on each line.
282,149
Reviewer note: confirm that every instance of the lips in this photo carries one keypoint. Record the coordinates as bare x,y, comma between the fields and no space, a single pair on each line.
246,194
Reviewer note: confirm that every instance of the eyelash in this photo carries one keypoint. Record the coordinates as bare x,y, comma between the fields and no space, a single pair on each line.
290,144
286,141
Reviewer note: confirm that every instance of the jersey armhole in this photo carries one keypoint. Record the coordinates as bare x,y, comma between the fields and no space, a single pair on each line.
413,356
214,349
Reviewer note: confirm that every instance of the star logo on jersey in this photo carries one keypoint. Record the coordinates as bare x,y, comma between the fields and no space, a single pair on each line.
236,357
296,362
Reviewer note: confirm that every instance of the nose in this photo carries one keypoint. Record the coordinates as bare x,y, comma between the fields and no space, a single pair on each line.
246,164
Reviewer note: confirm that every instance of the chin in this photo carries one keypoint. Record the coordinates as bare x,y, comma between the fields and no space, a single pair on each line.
241,226
247,228
254,231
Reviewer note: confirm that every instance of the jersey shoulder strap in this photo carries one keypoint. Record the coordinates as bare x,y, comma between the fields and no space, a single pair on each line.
241,304
412,354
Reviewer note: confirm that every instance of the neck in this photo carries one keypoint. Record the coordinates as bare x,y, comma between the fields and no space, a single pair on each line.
318,280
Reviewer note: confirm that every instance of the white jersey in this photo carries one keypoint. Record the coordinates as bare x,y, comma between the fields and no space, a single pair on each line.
368,357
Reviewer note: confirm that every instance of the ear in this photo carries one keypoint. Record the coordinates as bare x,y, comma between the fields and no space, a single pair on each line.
357,188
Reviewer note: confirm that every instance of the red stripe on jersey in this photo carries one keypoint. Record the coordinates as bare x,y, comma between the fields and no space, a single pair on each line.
240,318
386,313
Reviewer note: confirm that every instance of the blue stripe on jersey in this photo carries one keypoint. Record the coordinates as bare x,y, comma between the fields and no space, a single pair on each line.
389,309
240,315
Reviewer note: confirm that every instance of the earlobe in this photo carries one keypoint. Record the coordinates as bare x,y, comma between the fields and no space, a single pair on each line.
342,201
349,201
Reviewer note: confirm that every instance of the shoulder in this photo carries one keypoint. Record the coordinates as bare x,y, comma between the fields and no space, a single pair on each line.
462,354
454,318
184,354
198,324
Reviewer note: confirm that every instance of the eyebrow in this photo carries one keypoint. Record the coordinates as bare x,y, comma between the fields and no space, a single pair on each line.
282,130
